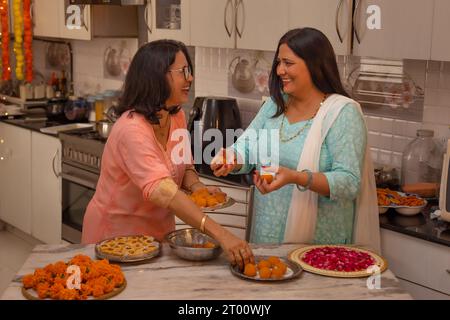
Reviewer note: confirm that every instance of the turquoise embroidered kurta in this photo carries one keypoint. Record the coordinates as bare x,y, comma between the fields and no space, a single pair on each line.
341,160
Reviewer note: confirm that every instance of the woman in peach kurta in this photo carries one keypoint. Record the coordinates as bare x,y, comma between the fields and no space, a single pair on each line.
133,163
138,191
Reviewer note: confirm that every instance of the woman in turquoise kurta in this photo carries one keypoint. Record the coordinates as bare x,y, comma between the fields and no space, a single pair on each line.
304,74
340,161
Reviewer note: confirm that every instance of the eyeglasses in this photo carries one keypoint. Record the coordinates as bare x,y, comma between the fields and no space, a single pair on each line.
187,72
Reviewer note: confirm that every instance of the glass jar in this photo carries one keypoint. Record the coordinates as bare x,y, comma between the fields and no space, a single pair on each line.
99,108
422,166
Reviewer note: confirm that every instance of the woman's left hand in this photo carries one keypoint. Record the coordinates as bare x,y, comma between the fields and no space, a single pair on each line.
283,177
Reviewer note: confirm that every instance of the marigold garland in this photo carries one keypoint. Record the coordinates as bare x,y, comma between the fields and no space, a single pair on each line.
28,40
18,38
6,74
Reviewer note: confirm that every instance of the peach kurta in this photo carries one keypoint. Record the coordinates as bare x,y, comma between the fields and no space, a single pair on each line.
133,164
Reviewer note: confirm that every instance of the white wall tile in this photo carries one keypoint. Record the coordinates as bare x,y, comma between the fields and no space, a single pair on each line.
385,157
397,159
386,125
372,139
374,153
385,141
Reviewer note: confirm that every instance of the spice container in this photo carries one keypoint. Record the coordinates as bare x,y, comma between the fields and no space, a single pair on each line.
99,107
422,166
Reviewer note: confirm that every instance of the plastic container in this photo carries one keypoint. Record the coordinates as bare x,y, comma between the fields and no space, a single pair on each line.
108,96
99,107
422,166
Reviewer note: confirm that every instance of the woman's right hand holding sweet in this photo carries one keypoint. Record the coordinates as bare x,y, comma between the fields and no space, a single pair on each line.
238,251
224,162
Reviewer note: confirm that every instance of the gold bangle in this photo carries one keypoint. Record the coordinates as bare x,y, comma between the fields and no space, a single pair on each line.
202,224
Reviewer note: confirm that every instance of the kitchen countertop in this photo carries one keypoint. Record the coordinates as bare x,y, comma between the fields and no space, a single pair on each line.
171,278
420,226
36,124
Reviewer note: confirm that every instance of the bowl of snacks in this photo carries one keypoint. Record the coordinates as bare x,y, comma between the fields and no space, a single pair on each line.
191,244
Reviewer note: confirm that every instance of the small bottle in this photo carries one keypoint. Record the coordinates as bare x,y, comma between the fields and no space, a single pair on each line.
63,84
99,108
54,82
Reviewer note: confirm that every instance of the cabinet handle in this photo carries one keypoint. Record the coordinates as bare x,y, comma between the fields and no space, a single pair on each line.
355,27
448,271
240,3
225,11
84,18
53,164
6,155
149,26
32,14
337,21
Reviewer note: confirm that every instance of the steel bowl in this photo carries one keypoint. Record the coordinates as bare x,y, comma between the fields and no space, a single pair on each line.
182,243
104,128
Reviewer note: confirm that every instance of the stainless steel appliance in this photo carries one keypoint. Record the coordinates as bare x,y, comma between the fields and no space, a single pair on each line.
81,159
220,113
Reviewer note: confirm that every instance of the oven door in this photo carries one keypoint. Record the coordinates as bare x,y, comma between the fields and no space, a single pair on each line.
78,188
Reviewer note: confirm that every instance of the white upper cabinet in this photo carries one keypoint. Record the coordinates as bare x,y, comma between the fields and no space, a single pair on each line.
46,188
168,19
260,23
243,24
440,46
405,31
212,23
46,18
332,17
75,21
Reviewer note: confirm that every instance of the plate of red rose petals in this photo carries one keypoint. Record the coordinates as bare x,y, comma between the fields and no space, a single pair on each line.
338,261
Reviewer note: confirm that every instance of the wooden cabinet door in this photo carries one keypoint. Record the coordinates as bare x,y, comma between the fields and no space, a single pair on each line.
169,20
440,45
332,17
46,18
212,23
46,188
405,33
75,21
15,176
260,23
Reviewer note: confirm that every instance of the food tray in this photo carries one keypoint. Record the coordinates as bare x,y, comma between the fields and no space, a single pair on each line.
228,203
127,258
293,271
30,294
298,254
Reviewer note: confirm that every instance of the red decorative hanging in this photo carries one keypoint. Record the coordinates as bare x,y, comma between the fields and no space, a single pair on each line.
4,17
28,40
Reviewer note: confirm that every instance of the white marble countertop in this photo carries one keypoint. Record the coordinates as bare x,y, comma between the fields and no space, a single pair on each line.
169,277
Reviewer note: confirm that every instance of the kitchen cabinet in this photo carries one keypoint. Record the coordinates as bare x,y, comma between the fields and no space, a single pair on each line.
234,218
243,24
440,46
46,18
15,176
260,23
421,263
168,19
69,27
59,19
46,188
405,33
212,23
332,17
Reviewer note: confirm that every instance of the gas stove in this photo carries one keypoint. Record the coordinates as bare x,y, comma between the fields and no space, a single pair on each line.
83,149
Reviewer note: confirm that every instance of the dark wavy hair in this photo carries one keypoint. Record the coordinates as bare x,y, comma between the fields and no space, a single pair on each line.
146,88
315,49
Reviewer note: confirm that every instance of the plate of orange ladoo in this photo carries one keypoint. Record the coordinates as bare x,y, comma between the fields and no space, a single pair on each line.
98,280
268,268
207,200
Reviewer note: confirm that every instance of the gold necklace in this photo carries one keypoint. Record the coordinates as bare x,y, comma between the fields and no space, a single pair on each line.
283,139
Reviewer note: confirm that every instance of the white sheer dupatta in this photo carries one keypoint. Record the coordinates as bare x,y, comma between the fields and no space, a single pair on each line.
302,216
